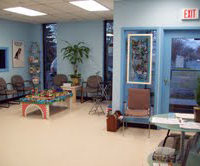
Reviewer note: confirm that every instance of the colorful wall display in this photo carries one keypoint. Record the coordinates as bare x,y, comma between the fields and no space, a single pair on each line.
139,58
18,53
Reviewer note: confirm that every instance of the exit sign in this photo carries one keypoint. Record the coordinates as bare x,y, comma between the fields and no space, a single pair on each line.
190,14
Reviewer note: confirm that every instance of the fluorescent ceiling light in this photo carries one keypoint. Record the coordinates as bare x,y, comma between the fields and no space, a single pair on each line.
109,34
89,5
25,11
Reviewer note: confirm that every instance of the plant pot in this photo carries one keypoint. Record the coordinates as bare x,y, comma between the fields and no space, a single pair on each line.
197,114
75,81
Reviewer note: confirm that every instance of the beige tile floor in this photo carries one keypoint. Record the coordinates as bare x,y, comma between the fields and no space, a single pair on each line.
70,139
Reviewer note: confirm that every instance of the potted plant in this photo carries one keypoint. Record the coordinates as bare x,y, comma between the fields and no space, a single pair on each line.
75,53
197,109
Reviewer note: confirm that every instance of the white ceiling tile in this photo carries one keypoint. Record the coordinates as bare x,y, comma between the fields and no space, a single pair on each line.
57,10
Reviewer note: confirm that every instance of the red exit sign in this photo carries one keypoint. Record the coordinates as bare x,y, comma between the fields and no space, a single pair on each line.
190,14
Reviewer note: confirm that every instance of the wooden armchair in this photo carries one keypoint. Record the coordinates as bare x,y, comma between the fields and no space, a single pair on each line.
20,85
138,105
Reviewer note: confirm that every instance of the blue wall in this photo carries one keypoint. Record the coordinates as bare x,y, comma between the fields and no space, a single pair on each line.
11,30
91,33
144,13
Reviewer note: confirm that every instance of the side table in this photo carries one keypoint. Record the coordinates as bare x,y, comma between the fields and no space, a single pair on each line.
73,89
175,127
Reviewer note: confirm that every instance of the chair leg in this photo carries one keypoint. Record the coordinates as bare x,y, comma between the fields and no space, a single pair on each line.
123,125
91,109
7,100
14,101
82,96
86,96
94,107
149,129
102,109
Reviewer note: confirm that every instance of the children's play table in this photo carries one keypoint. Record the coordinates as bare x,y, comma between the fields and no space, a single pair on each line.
43,100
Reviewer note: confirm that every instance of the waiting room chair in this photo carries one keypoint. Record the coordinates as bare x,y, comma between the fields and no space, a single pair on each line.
6,91
92,86
20,85
138,105
59,79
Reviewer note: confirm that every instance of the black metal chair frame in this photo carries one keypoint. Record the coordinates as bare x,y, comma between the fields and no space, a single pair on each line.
4,90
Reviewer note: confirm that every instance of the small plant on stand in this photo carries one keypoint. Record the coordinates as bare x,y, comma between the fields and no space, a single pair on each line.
75,53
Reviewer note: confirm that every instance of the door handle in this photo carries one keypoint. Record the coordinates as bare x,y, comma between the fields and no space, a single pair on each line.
165,81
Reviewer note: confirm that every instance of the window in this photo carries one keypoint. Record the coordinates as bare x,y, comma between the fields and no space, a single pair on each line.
185,70
3,59
50,54
108,53
108,57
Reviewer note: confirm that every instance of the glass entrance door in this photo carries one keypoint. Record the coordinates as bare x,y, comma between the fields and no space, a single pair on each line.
181,70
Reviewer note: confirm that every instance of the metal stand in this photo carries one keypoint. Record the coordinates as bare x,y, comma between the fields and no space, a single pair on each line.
96,105
98,99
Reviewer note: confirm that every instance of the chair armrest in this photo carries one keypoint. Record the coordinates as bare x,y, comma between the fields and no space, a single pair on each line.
18,85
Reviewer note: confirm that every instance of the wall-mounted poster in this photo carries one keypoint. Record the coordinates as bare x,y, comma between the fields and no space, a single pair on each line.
18,53
139,58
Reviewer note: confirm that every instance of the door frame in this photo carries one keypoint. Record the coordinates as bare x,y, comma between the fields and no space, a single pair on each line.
164,30
123,84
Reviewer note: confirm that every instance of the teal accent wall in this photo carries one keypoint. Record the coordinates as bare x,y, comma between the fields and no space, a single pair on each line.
11,30
144,13
90,32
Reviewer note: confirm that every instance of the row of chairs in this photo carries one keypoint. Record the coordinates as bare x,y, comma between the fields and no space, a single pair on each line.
94,86
18,86
91,86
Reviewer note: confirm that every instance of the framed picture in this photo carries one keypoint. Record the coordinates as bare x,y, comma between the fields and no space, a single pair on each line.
139,58
18,53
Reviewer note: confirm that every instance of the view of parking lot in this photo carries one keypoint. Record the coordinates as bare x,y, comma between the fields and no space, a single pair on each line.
185,69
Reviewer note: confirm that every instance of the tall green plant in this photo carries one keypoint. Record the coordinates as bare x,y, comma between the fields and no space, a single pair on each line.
198,91
75,54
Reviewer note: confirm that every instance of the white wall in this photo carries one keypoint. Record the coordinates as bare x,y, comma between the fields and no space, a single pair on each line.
144,13
91,33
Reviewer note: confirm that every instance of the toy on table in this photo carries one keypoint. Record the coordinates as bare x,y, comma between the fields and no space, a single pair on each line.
46,96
